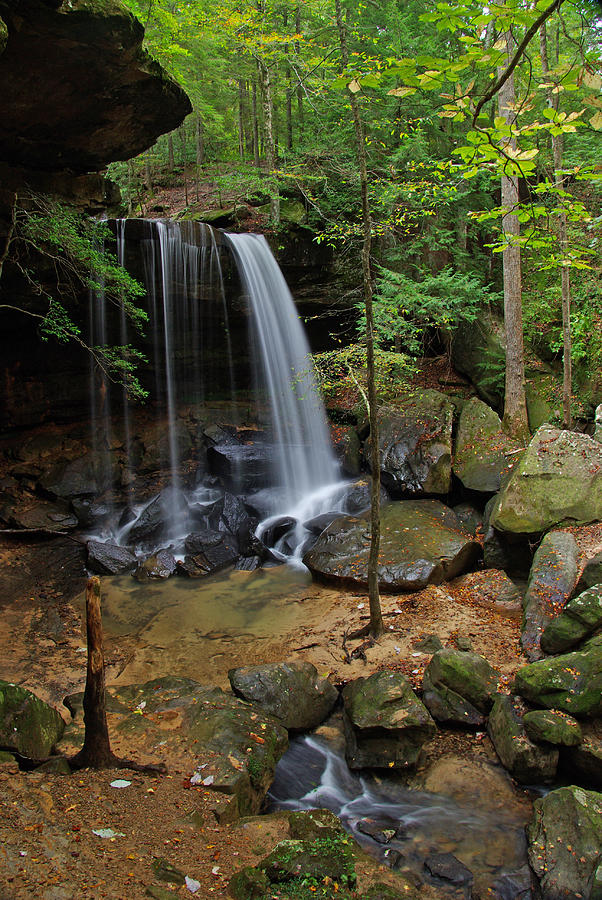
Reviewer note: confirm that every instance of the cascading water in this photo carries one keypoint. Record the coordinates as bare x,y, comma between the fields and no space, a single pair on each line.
183,273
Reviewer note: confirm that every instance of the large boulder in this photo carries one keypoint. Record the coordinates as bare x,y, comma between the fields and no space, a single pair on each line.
483,453
28,726
78,89
580,617
565,844
415,445
291,692
421,543
207,552
386,725
583,763
75,478
552,727
526,761
552,580
592,572
459,687
558,480
153,520
479,351
571,682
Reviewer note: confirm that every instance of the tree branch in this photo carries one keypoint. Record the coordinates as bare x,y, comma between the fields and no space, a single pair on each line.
515,59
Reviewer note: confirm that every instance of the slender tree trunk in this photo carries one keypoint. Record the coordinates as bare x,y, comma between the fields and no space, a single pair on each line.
268,136
565,279
241,119
515,404
255,126
182,132
199,152
171,163
96,751
299,87
130,187
148,178
376,621
289,90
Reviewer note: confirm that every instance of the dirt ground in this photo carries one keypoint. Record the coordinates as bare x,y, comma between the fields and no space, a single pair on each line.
48,847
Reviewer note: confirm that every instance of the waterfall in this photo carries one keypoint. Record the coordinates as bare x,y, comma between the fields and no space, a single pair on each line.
189,343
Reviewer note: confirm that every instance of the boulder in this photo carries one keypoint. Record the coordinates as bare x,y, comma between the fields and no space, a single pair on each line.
291,692
152,522
237,747
346,445
447,867
415,446
552,580
312,824
565,844
580,617
319,523
243,466
236,520
459,687
385,723
469,518
483,453
207,552
109,559
277,529
551,727
79,91
28,726
491,588
592,573
356,496
421,543
317,859
526,761
36,513
558,480
571,682
70,479
479,351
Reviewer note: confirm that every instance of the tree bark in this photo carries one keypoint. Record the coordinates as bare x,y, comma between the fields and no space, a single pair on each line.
96,751
565,278
255,126
171,163
297,50
376,620
241,119
515,404
268,136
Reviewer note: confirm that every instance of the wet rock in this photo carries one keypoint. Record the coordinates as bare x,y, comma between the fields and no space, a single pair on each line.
474,783
551,727
291,692
159,566
565,844
90,513
28,726
571,682
248,563
529,763
109,559
151,523
459,687
415,446
312,824
469,518
36,513
447,867
552,580
208,552
421,543
375,831
277,529
346,445
580,617
592,573
243,466
558,480
483,453
385,723
512,885
236,520
319,523
356,496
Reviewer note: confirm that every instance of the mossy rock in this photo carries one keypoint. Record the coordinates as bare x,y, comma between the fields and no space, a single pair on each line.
592,573
552,727
565,844
581,617
526,761
249,884
571,682
483,453
307,825
459,687
557,481
319,859
28,726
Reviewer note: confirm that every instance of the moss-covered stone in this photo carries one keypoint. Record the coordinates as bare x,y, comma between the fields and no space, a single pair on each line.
581,617
310,824
459,687
565,844
558,480
552,727
166,871
571,682
386,725
478,351
583,764
592,573
320,858
552,580
529,763
249,884
483,453
27,724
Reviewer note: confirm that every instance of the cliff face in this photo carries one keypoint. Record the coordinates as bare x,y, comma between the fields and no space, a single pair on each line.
78,90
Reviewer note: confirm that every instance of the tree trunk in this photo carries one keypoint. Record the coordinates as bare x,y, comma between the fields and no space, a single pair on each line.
376,621
565,279
515,404
96,751
200,150
299,87
268,137
241,119
255,126
171,163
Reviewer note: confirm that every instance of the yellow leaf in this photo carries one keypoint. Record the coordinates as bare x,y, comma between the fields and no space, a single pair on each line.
596,121
354,86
